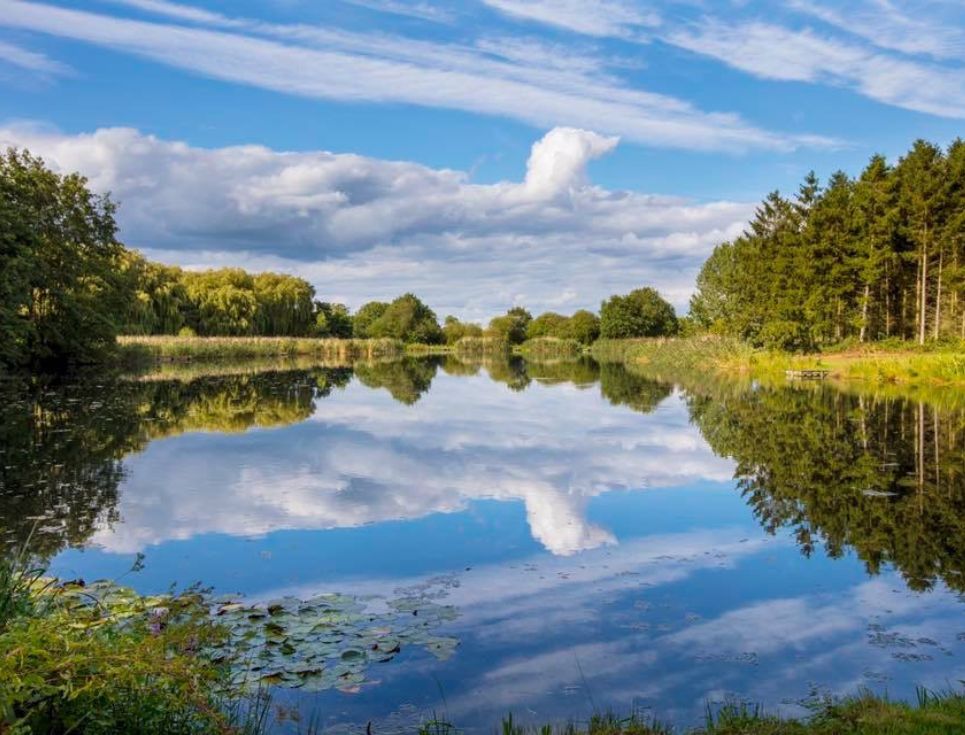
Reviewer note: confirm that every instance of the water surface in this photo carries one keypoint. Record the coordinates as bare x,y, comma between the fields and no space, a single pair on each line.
604,540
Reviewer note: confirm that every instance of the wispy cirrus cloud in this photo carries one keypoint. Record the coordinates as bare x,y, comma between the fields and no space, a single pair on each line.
929,27
336,65
775,52
613,18
419,10
31,60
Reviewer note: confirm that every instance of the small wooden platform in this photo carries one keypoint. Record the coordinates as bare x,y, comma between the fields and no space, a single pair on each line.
810,374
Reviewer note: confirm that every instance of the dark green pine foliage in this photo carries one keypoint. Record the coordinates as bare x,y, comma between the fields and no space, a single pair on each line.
877,257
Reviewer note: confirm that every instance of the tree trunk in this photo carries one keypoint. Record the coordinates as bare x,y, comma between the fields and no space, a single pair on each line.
938,296
864,312
887,301
923,307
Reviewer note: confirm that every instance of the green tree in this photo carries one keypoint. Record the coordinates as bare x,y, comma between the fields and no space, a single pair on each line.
365,317
332,320
511,327
641,313
409,320
59,289
584,327
454,330
548,324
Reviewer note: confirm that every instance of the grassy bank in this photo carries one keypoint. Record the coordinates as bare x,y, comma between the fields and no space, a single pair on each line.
136,350
865,714
93,659
887,363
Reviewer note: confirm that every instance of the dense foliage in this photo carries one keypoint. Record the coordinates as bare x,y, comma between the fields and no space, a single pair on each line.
641,313
870,258
510,327
58,288
583,326
406,319
224,302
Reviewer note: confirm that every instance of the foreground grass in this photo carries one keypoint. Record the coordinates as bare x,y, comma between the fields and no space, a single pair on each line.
186,349
886,363
72,662
865,714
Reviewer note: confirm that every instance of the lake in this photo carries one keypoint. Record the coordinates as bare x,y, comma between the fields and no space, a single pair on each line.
542,539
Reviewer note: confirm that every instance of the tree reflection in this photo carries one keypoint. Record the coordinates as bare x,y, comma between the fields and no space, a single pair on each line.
884,477
406,380
61,444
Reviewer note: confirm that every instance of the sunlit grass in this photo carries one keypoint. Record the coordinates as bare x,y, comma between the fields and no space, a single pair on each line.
173,349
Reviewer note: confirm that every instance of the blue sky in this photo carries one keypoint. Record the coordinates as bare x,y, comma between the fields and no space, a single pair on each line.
379,146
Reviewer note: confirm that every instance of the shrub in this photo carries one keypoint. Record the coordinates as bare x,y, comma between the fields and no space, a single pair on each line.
641,313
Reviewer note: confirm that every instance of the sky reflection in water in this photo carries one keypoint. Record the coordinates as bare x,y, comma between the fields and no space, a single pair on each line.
596,546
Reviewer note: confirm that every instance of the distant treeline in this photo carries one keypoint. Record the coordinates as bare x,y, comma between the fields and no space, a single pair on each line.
68,288
881,256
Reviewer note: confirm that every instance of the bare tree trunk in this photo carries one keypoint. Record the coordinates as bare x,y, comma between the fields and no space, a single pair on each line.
938,296
923,308
864,312
887,304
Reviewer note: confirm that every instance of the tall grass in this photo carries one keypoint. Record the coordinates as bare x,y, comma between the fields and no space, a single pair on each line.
873,364
481,346
552,348
185,349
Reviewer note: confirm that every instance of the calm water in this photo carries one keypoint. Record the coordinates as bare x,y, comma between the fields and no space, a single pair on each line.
597,540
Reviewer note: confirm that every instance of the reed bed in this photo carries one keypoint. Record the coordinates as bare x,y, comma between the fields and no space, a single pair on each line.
481,346
188,349
543,348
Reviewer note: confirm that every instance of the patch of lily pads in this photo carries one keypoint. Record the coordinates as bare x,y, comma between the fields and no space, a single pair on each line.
329,641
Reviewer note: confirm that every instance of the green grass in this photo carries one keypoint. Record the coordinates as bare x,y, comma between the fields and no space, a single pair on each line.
139,350
864,714
877,364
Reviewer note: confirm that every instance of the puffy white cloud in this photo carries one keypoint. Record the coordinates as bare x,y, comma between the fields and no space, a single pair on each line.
362,228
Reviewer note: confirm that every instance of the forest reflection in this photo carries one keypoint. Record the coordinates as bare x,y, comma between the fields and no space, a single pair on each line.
880,476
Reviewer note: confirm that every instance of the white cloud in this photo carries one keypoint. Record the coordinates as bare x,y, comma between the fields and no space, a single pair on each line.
614,18
935,28
775,52
31,60
362,228
363,459
420,10
335,65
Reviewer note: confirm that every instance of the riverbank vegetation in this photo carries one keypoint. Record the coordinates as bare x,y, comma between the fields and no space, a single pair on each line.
98,660
147,349
862,714
936,364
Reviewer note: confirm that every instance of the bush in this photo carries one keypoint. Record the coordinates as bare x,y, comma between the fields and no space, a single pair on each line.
641,313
